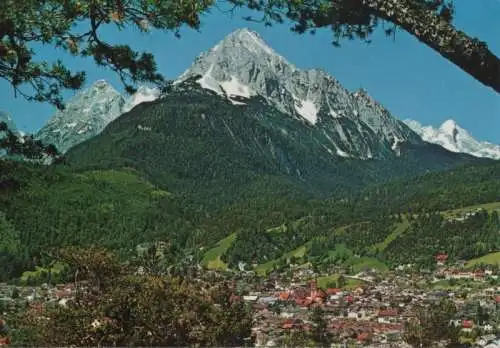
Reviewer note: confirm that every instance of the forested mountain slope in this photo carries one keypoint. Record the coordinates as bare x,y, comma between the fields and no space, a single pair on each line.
203,147
45,207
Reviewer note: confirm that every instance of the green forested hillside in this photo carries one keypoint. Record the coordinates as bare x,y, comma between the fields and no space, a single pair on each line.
458,187
51,206
377,243
431,234
202,147
192,169
375,226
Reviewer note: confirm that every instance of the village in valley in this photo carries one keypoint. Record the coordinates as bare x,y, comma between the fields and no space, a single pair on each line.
371,308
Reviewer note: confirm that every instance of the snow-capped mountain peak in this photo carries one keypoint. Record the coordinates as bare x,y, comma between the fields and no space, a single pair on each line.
237,62
454,138
449,126
251,39
244,65
240,67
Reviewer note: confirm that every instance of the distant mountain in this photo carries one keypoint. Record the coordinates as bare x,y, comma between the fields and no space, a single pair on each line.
240,122
454,138
85,116
242,65
196,143
88,113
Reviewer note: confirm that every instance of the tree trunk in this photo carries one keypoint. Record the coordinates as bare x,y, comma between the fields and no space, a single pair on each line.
469,54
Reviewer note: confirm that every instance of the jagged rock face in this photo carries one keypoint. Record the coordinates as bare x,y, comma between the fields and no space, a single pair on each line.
89,112
85,116
454,138
353,124
243,66
380,120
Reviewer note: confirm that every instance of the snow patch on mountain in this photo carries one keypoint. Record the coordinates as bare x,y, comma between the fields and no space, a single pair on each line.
307,110
456,139
234,88
143,94
243,65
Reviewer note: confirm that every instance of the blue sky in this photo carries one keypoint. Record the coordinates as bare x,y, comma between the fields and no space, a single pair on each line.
411,80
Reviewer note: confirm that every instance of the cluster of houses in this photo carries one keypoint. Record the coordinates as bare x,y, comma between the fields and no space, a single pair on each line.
466,215
363,314
34,299
372,313
457,271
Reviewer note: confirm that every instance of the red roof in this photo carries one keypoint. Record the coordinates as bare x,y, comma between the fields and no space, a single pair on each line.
467,324
288,324
388,312
363,336
349,298
318,293
497,299
303,302
292,323
333,291
284,296
4,341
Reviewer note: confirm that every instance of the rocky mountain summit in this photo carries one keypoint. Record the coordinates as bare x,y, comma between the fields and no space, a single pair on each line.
85,116
242,65
89,112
